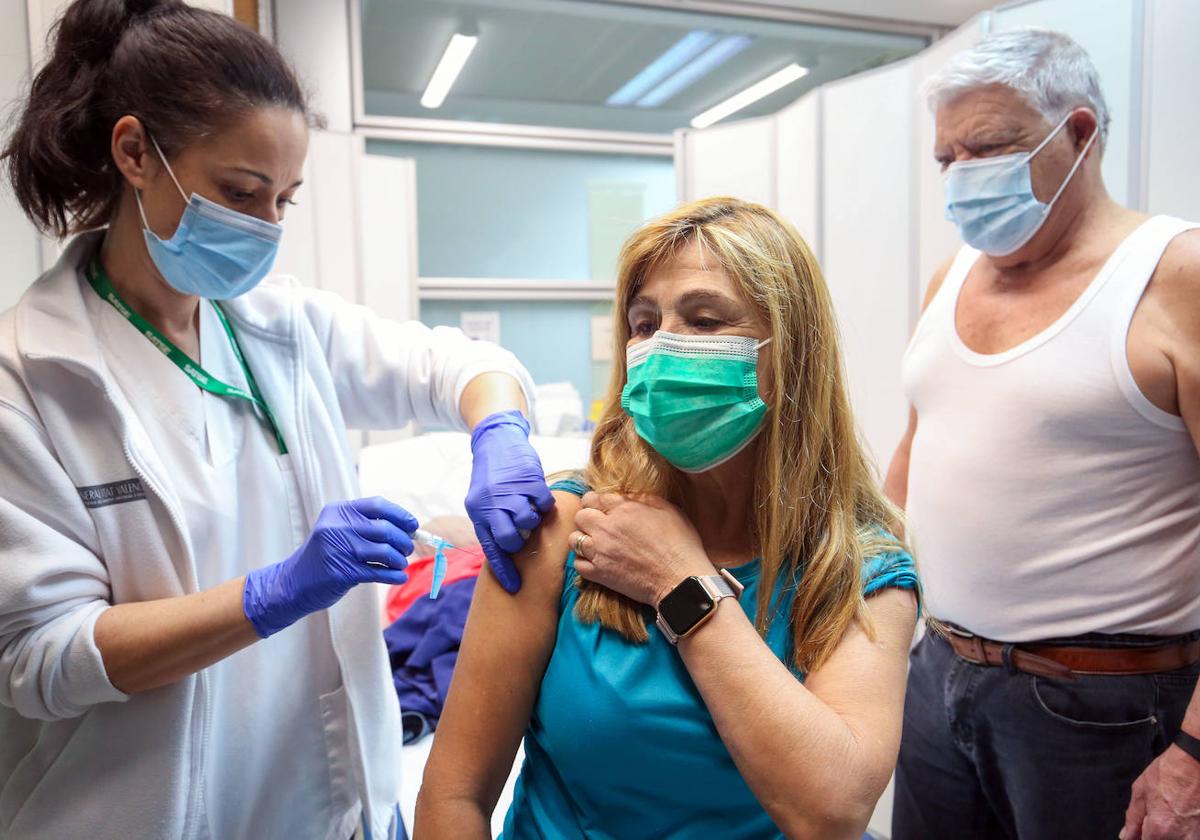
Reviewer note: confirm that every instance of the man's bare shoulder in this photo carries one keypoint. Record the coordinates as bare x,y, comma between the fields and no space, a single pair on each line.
1175,286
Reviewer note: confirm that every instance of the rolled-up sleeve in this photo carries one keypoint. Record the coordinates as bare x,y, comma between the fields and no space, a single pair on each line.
388,373
53,587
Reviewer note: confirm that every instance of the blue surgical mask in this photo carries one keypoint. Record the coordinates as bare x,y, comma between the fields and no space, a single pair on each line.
991,200
215,253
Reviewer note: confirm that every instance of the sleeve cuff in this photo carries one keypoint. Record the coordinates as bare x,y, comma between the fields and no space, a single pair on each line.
85,679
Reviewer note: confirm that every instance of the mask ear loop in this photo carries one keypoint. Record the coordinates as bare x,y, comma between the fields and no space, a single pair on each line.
763,343
170,172
1078,162
137,194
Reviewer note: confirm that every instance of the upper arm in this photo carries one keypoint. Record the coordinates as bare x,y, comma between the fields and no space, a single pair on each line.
505,648
864,680
387,373
1176,287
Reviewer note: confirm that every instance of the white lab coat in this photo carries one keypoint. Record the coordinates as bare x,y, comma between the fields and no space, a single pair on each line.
78,758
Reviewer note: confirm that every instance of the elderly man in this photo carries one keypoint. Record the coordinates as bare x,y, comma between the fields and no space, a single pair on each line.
1051,476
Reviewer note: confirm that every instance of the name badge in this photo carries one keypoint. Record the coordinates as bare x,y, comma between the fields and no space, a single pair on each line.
113,493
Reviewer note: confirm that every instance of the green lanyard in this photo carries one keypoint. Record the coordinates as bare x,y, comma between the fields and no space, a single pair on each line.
104,287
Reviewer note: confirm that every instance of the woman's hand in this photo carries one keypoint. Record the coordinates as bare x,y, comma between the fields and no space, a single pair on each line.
641,547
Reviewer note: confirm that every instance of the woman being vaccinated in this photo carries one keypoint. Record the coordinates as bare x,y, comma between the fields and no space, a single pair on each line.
713,635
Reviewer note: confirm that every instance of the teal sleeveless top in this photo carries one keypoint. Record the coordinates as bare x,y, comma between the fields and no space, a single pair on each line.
621,746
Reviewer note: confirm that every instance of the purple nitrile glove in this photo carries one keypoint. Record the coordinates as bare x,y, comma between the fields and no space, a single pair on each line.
508,491
361,541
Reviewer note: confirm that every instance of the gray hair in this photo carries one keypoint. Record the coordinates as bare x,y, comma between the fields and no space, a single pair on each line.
1049,70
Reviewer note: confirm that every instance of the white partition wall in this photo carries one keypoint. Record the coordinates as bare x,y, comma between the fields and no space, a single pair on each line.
388,213
321,233
19,241
1171,177
798,167
735,159
869,234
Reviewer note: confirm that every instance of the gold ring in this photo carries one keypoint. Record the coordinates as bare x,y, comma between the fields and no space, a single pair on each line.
579,544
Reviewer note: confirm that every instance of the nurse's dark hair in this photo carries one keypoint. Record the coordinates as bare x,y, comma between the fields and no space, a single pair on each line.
183,72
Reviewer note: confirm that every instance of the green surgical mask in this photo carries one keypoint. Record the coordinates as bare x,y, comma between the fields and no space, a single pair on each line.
694,398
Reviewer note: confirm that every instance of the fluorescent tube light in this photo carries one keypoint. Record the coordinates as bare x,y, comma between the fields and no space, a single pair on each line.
684,50
722,51
750,95
456,55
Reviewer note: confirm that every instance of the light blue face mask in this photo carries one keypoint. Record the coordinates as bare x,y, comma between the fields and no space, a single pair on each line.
216,252
991,200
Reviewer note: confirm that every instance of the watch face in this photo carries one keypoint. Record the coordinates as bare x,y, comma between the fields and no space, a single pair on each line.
686,605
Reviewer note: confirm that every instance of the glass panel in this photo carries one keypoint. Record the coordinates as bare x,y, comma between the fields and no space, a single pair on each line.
553,339
529,214
597,66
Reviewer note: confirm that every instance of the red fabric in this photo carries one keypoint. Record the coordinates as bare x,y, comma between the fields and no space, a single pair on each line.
460,563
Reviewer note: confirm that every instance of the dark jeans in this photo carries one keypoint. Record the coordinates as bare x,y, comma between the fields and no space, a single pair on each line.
996,753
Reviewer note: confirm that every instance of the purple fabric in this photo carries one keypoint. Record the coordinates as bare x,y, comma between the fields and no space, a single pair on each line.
423,647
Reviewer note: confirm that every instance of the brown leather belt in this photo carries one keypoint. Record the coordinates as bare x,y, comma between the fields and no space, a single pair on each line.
1066,662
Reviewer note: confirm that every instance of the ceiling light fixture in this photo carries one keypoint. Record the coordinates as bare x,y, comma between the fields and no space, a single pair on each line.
453,60
722,51
750,95
684,50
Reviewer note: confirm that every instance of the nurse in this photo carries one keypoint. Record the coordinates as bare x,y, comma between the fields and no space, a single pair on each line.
186,649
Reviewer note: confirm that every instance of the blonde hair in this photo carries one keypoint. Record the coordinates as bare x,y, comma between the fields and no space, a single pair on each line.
818,509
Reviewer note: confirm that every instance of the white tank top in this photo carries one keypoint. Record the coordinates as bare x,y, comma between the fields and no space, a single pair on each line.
1047,497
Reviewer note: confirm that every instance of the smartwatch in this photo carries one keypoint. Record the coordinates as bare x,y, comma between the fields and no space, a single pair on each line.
693,602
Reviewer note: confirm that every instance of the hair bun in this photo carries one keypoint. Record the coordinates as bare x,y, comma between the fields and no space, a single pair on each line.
90,30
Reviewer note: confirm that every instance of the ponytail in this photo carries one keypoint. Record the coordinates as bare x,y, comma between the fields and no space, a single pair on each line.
184,72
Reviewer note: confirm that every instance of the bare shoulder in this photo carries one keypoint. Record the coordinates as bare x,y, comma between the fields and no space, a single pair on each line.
541,562
1179,269
1174,291
546,551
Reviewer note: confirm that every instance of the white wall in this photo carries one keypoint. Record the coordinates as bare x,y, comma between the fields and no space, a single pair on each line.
19,243
315,36
798,156
734,159
388,229
1172,122
868,239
